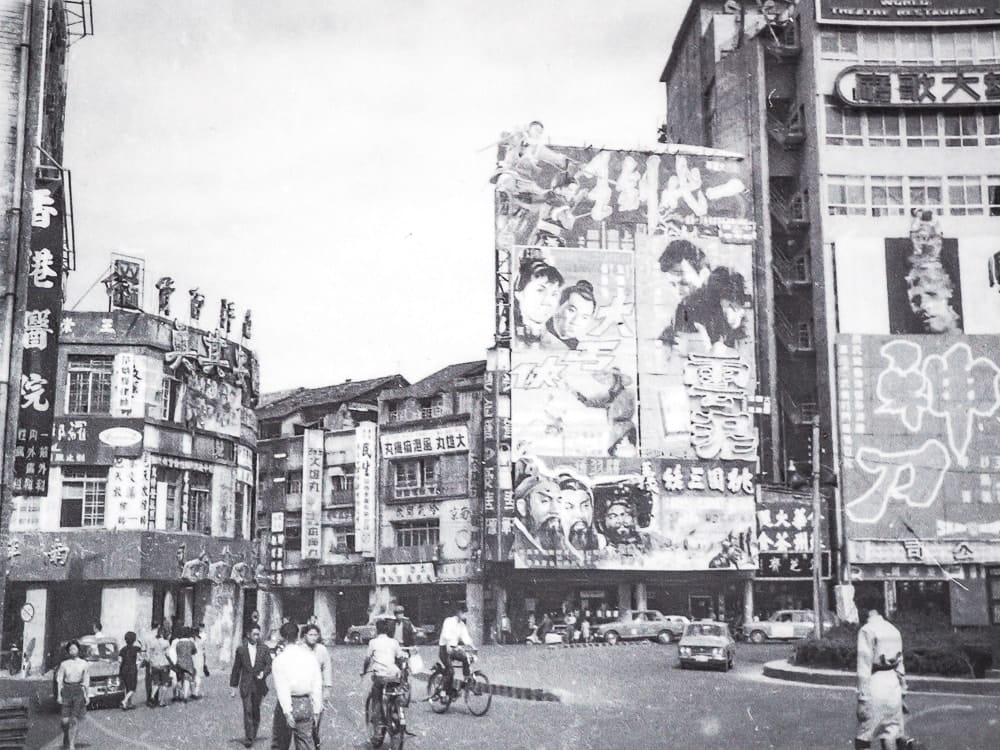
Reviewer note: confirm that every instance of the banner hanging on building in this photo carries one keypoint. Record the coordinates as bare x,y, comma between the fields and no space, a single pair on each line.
364,488
919,444
40,338
312,495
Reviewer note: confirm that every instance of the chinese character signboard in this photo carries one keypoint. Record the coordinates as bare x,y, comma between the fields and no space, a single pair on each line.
312,495
498,498
43,307
920,446
632,335
627,513
785,535
364,488
908,12
920,86
449,439
276,548
95,441
388,575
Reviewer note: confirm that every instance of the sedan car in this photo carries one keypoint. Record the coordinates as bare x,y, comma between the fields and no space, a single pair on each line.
707,643
786,624
639,624
361,634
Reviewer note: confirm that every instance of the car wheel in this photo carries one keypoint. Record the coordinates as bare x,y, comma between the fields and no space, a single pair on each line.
665,637
354,639
611,638
758,636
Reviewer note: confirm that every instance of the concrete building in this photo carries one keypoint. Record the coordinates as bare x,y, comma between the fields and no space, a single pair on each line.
148,512
318,482
873,131
428,529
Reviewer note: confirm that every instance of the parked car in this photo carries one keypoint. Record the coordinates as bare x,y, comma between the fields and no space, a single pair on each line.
361,634
638,624
707,643
101,654
786,624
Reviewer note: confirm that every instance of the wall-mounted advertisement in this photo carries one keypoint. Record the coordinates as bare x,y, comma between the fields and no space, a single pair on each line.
95,441
919,443
449,439
908,12
312,495
924,283
364,488
654,514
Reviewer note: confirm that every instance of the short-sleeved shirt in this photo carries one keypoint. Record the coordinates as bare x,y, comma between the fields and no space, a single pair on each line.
383,652
158,653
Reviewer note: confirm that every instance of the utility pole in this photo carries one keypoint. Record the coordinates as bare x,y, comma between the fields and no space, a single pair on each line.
817,499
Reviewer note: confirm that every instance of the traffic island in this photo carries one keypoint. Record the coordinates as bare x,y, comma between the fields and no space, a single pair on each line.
781,669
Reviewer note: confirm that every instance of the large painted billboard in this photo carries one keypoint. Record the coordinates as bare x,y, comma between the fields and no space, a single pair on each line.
920,439
923,283
631,337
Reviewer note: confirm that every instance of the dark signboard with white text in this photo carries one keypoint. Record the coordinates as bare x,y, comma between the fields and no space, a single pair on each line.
928,12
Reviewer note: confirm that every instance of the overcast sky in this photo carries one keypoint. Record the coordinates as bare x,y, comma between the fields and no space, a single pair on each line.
326,163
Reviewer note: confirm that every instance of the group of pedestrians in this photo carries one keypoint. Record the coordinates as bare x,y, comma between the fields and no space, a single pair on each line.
302,684
175,662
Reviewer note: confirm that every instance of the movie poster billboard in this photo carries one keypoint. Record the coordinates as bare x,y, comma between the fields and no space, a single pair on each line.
920,444
630,513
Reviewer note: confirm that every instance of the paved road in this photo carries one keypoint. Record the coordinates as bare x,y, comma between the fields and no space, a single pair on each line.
613,697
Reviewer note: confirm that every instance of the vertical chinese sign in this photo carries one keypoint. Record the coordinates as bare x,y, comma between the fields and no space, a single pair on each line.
364,488
43,308
312,495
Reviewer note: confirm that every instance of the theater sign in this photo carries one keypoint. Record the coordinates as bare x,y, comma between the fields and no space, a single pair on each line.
920,86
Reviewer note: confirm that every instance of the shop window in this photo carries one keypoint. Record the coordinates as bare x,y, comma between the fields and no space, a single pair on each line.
843,126
961,130
846,196
417,533
887,196
83,496
925,192
922,130
199,504
965,196
88,389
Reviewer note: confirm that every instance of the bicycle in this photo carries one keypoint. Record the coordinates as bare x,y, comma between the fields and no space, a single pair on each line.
386,716
475,687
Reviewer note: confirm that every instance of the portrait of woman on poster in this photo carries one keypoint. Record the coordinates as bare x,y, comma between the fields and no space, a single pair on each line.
717,313
536,298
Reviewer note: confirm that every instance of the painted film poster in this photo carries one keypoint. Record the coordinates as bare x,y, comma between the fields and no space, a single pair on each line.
33,439
921,447
627,513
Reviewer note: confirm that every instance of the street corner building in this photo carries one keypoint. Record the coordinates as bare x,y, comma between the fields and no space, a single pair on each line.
146,515
872,131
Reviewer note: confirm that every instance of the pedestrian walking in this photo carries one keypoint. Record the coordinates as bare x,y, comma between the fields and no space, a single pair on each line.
72,685
298,686
128,669
182,655
159,670
200,662
314,642
585,630
881,684
506,633
251,667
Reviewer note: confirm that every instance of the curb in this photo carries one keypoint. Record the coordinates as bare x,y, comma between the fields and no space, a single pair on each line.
782,670
512,691
602,644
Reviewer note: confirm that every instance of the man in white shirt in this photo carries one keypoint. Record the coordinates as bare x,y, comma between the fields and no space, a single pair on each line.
314,642
298,686
454,633
384,654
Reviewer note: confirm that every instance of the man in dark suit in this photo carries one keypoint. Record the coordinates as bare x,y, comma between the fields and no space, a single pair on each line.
251,667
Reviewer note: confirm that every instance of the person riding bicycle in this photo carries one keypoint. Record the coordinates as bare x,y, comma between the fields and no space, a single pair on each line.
454,633
384,655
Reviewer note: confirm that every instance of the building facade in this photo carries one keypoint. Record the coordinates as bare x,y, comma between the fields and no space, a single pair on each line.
873,133
318,503
148,512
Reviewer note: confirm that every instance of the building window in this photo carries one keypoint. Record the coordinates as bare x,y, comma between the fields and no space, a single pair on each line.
396,411
417,533
965,196
991,128
843,126
83,496
89,387
993,194
170,479
877,46
293,532
846,196
838,45
887,196
432,407
199,504
925,192
224,449
988,45
416,477
961,130
955,47
343,540
293,483
916,47
269,429
804,335
921,130
239,508
883,129
342,483
167,397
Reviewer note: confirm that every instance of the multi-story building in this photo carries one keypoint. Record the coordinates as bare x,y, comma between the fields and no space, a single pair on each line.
148,510
318,500
873,131
428,535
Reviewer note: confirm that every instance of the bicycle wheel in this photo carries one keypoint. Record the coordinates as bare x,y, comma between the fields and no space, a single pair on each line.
376,733
404,693
397,726
439,700
477,694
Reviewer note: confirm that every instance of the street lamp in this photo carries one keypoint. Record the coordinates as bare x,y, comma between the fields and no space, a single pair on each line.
817,550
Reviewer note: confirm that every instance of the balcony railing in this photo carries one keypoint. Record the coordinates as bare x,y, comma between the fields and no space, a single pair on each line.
796,338
785,123
789,209
342,497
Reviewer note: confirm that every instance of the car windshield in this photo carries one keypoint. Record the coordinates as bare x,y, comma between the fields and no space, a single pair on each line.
698,628
98,651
